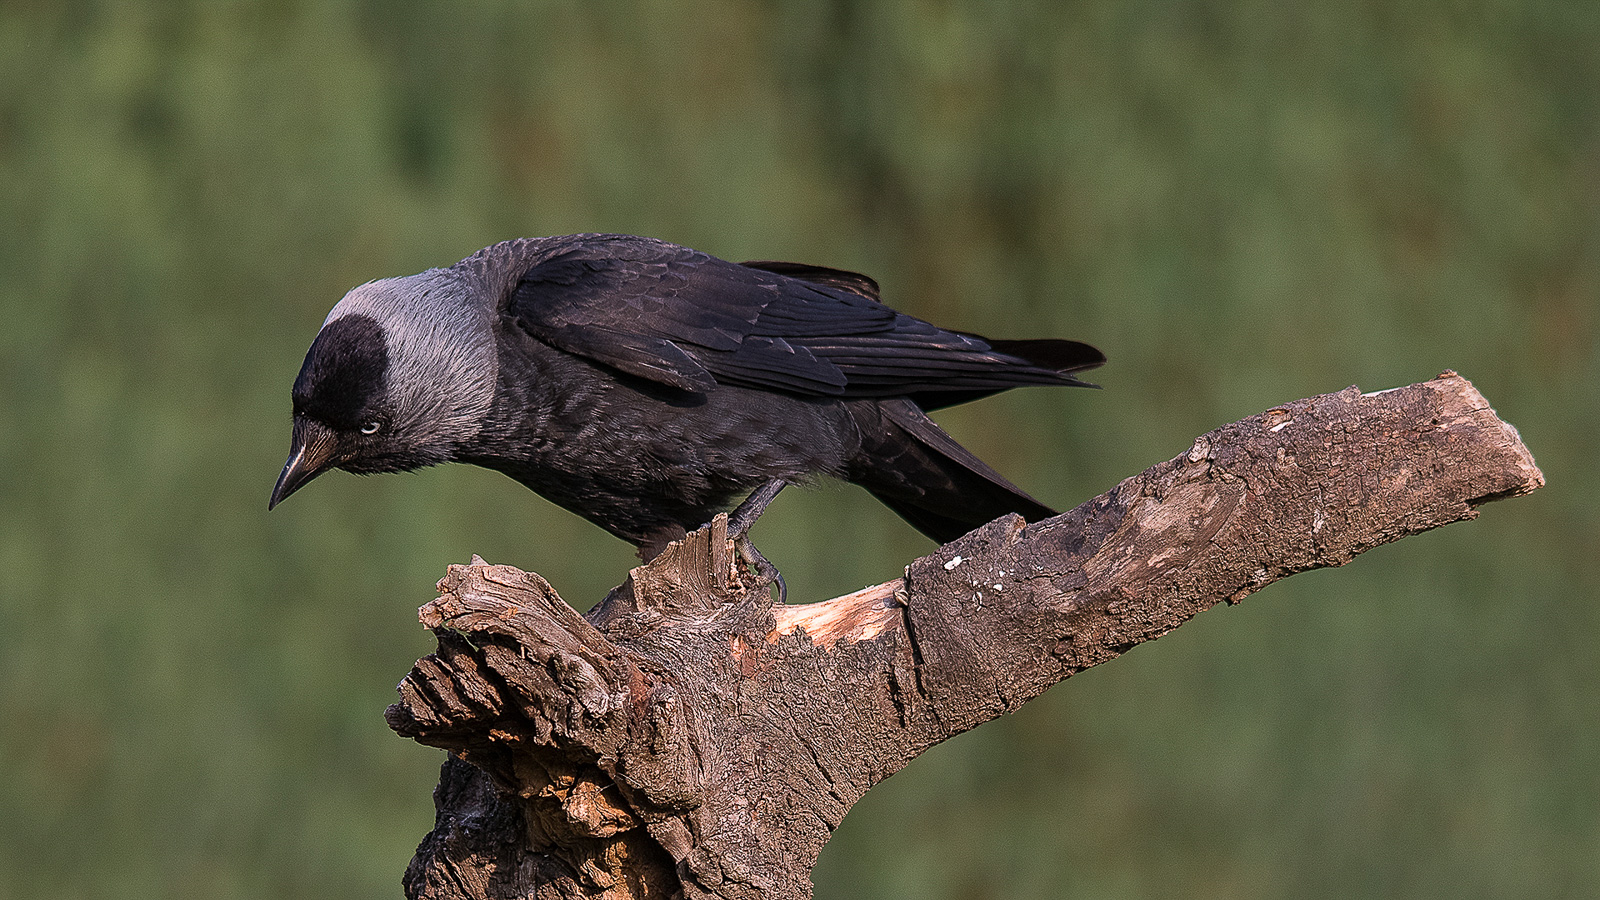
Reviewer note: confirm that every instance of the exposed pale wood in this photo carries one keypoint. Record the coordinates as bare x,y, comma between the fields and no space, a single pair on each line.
688,739
859,616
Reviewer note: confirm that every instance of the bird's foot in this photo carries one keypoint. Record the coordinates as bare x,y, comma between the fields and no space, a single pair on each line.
739,522
760,565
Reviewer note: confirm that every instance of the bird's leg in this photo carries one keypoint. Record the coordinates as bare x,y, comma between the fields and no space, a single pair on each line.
739,522
745,514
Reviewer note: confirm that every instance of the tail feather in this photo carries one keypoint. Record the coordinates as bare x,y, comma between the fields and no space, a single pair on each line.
938,486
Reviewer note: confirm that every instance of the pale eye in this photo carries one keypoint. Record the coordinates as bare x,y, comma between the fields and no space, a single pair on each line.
371,427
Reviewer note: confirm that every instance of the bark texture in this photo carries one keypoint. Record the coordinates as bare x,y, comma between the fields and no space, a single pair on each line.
688,738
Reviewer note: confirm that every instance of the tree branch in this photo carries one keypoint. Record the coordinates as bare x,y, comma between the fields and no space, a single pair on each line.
687,738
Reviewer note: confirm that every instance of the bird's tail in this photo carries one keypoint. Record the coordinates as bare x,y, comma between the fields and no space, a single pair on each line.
910,464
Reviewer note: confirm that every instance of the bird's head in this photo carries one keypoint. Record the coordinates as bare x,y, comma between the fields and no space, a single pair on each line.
400,377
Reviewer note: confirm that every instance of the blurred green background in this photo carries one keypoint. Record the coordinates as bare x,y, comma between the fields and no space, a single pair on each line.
1242,204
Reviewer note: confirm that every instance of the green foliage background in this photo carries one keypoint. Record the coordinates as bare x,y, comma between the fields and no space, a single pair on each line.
1242,203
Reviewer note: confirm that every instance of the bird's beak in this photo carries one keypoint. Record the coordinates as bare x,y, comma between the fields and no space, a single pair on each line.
311,449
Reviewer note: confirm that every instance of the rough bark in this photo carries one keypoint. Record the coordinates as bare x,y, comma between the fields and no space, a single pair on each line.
687,738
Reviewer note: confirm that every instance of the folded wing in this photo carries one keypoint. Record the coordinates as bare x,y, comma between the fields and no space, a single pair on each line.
689,320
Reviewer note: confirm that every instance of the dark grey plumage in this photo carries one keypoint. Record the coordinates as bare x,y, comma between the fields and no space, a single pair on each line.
646,386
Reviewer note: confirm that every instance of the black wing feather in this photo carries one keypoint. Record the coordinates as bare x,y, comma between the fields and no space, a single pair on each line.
690,320
854,282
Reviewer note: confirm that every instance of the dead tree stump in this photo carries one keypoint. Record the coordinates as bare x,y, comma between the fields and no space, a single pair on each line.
688,738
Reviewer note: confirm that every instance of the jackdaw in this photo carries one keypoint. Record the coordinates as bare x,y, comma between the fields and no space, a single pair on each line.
646,386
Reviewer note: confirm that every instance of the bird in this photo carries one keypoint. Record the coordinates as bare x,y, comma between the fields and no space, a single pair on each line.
646,387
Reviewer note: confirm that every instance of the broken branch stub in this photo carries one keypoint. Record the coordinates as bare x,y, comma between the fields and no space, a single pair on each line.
688,738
